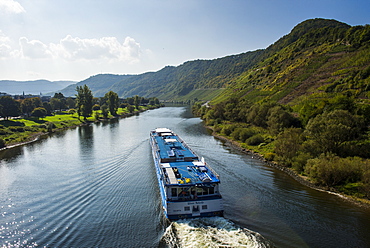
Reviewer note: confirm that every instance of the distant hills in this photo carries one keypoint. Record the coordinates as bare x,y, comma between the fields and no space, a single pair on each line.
32,87
319,56
203,77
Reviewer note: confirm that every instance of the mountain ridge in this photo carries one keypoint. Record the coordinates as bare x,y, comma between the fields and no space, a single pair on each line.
33,87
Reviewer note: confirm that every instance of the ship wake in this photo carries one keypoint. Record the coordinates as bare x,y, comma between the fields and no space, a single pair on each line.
210,232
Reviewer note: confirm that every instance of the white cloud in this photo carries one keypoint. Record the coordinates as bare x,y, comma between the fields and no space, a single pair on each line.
34,49
107,49
74,48
11,6
5,48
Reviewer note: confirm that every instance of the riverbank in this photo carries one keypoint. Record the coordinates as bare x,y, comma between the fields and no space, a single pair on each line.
299,178
60,125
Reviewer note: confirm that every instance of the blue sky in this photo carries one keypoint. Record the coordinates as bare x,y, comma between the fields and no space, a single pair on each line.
72,40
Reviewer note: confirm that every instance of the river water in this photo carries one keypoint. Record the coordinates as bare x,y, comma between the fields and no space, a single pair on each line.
95,186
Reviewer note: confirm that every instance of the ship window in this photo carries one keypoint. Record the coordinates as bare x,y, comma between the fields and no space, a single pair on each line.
202,191
211,191
205,191
174,191
187,208
204,206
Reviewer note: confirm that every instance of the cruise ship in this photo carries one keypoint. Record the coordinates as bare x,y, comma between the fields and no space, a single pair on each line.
189,187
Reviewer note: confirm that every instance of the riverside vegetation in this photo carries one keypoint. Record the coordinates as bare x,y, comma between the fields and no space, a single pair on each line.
305,105
26,119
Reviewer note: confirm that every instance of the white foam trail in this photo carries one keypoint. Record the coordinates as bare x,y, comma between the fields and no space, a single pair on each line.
211,232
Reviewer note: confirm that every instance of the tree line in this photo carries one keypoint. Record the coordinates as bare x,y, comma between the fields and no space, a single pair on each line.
328,140
83,103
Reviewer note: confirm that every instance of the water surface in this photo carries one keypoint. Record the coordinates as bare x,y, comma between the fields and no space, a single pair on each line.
95,186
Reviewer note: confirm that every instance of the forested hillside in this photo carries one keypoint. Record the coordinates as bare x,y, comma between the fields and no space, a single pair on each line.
318,57
174,83
305,105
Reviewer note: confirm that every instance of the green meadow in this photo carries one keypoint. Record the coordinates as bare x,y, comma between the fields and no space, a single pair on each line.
21,130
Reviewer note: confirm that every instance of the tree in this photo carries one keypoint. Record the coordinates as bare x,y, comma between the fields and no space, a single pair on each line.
84,101
27,106
278,119
70,102
330,130
113,102
130,100
58,95
153,101
36,102
104,111
258,114
55,103
130,108
11,108
39,112
288,144
48,108
137,101
58,102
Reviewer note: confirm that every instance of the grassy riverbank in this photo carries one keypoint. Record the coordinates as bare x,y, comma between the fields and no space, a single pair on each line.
23,130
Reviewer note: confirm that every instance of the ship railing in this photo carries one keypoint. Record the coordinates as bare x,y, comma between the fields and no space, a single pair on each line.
213,172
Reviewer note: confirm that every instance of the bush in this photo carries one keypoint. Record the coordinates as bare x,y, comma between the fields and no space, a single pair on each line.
270,156
299,162
246,133
236,133
72,111
217,128
331,170
255,140
227,130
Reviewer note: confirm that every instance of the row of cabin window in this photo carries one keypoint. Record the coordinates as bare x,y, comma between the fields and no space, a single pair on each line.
199,191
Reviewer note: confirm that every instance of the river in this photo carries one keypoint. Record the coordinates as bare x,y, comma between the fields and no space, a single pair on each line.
95,186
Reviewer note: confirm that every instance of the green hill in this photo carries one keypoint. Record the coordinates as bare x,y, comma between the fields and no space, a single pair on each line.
173,83
317,56
317,59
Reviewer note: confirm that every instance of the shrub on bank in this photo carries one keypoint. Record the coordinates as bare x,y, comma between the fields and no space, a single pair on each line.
255,140
331,170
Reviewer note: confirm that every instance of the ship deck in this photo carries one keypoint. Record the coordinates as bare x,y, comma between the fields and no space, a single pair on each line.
180,165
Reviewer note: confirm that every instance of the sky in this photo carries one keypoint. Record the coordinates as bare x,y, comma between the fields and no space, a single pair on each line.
73,40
